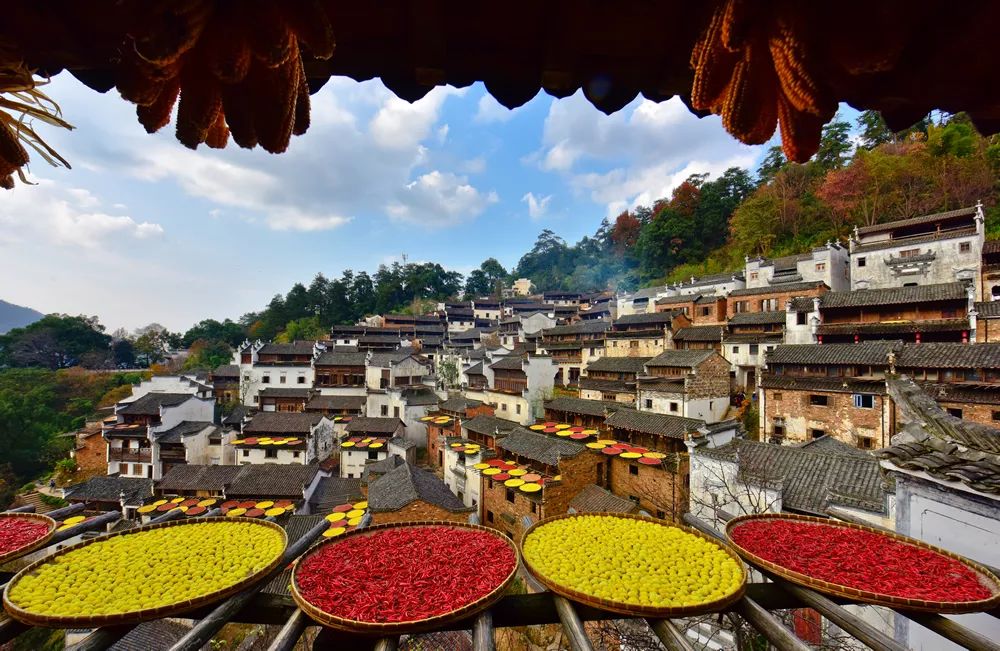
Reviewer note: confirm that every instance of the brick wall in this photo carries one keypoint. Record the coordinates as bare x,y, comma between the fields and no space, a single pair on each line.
987,330
93,456
839,418
753,302
419,510
710,380
622,347
716,313
662,490
977,413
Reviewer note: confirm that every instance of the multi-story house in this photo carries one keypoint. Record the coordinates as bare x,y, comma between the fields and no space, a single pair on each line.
573,347
699,337
193,442
460,317
919,314
516,385
446,422
275,365
642,335
581,412
369,440
155,407
828,264
408,493
964,379
225,381
641,301
612,379
933,249
563,298
340,372
284,398
398,368
808,391
487,309
772,297
334,406
989,271
307,438
702,309
988,321
522,287
407,403
721,284
748,336
688,383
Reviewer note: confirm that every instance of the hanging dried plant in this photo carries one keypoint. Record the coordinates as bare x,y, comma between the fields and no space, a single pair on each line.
21,102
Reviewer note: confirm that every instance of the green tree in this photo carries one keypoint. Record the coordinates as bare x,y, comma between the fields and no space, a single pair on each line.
774,161
56,341
487,280
873,130
302,329
834,145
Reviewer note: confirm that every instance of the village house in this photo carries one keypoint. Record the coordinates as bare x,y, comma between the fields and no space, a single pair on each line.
642,335
394,369
460,318
564,467
989,271
333,491
111,493
563,298
407,494
487,309
296,483
809,390
447,422
340,372
307,438
702,309
594,499
198,442
90,449
987,321
772,297
935,249
471,338
603,311
288,399
410,322
947,492
485,430
964,379
828,264
268,365
687,383
915,314
459,458
573,347
612,379
517,385
336,405
371,439
748,336
225,381
642,301
408,403
521,287
702,337
720,284
581,412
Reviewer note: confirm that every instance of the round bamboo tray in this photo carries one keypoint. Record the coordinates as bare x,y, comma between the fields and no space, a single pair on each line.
389,628
985,577
35,544
634,609
136,616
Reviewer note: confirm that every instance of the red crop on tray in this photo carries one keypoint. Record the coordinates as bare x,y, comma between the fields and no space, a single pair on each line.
860,559
404,574
15,533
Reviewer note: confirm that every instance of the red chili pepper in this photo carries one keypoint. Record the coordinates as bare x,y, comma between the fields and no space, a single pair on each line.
404,574
16,533
860,559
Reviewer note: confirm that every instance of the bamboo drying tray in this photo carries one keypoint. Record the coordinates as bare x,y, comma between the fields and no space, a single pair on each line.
35,544
635,609
986,578
388,628
136,616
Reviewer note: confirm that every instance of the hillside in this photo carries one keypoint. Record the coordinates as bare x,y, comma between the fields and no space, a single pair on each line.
15,316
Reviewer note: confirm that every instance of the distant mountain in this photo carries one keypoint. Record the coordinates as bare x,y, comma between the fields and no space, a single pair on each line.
14,316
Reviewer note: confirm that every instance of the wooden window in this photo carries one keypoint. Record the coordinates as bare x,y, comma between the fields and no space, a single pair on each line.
816,433
246,453
736,350
864,401
777,397
754,349
489,516
510,496
265,379
955,411
996,415
633,470
862,261
281,379
964,247
674,407
754,275
301,379
800,318
866,443
649,403
820,266
271,454
909,253
385,410
817,400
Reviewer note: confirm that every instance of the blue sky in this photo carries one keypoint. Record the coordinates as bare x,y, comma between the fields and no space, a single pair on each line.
143,230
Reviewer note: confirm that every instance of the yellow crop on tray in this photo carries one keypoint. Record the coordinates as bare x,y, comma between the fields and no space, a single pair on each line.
632,562
147,569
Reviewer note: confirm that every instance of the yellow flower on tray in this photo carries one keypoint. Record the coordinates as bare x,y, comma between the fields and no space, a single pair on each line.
491,471
513,483
530,488
517,472
336,517
481,466
355,513
334,531
361,505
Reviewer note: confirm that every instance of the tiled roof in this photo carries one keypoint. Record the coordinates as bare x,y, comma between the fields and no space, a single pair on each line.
618,364
155,634
714,279
782,288
384,360
949,355
649,423
285,392
402,443
381,467
475,369
488,425
374,424
679,299
544,449
419,396
894,296
459,404
913,241
583,327
294,348
331,491
336,358
194,477
407,484
226,371
184,428
827,444
149,404
335,402
508,362
990,309
235,417
868,353
832,385
699,333
685,358
594,499
803,304
810,481
657,318
109,488
580,406
915,221
889,328
272,480
758,318
608,386
753,338
282,422
964,392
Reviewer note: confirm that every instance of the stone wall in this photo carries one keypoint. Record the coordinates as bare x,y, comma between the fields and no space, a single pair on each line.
662,490
419,510
804,421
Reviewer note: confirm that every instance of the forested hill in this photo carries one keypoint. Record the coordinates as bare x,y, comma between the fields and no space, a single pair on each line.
15,316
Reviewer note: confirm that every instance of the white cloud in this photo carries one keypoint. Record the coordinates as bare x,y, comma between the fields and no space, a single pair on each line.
69,217
636,155
537,206
439,199
400,125
489,111
295,220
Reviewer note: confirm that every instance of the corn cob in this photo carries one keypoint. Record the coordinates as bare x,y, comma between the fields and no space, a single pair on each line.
141,82
218,133
301,108
800,131
7,182
713,65
738,17
156,115
199,105
797,82
236,104
228,50
171,29
274,91
12,153
271,40
311,25
749,109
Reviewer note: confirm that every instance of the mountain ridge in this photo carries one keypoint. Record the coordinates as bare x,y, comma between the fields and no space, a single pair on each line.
16,316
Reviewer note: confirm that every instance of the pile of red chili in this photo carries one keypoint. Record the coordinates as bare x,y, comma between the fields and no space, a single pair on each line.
860,559
16,532
404,574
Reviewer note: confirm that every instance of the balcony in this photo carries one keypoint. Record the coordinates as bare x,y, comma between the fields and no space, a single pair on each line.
142,455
